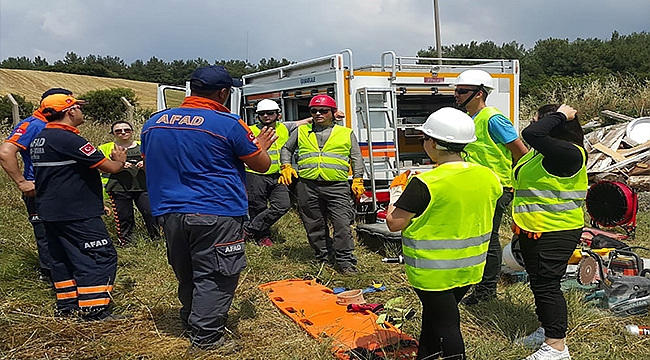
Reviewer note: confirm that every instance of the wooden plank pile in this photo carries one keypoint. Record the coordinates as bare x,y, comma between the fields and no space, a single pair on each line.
613,156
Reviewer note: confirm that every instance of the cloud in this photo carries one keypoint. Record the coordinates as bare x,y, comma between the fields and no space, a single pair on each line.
295,29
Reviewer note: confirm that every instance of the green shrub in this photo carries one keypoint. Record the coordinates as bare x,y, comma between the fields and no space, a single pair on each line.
105,106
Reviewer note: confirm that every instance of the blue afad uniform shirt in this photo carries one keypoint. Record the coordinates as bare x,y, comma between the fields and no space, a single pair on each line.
501,130
21,136
68,185
193,161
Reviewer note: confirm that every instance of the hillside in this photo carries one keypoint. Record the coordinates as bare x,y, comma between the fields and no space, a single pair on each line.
32,83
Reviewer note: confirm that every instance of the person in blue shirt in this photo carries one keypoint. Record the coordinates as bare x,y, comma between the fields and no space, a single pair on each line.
194,159
19,141
497,147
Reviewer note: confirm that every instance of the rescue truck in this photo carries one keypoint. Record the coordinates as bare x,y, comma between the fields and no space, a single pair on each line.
383,103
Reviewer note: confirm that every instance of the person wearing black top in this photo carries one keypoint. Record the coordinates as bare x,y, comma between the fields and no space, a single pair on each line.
548,218
69,201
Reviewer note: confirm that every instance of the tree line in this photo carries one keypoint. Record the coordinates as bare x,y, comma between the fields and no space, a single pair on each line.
549,62
557,59
174,72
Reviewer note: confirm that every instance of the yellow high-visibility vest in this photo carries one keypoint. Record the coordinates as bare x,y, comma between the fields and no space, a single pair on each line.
544,202
446,246
282,133
332,162
484,151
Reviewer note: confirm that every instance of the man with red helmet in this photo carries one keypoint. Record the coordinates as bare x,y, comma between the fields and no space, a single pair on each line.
325,153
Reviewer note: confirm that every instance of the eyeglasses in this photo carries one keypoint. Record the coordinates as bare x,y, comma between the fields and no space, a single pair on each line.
424,138
464,91
267,113
319,111
126,131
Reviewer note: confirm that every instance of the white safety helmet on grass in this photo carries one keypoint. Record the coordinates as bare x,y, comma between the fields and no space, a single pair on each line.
474,77
449,125
267,105
512,255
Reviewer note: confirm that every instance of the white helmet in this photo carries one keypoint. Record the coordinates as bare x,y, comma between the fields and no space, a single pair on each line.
475,78
449,125
267,105
512,255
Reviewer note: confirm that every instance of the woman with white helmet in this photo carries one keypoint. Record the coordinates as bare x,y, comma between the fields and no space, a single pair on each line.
445,216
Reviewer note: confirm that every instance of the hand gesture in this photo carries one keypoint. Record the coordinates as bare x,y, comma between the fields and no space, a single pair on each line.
266,138
139,164
568,111
339,115
119,154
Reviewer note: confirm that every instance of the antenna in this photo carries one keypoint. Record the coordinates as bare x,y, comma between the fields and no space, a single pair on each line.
246,46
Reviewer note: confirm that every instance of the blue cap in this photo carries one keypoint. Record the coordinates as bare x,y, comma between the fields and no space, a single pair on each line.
213,78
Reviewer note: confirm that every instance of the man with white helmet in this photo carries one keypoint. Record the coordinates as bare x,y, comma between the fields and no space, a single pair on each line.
497,147
445,216
268,200
326,152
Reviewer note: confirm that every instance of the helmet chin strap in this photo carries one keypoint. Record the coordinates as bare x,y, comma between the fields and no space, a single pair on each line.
469,98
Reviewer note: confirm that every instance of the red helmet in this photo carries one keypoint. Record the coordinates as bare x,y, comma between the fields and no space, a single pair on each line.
323,100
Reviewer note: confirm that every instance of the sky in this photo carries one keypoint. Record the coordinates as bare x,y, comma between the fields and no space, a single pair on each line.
296,29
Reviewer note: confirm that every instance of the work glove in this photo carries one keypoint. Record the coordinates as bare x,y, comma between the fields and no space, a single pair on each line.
357,187
287,174
397,186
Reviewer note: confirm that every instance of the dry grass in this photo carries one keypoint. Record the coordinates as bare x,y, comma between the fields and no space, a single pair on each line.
624,94
32,83
146,288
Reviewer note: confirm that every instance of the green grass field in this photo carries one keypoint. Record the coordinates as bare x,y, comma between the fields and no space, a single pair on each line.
146,288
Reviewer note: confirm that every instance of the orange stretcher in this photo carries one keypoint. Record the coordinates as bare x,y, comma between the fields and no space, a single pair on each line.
354,335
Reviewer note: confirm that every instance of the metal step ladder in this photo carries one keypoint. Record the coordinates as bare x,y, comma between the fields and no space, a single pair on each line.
377,112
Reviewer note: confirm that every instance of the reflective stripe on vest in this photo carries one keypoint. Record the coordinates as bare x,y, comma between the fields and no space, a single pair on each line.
544,202
332,162
443,251
484,151
282,133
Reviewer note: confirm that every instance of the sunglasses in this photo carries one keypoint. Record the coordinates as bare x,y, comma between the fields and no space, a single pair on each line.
464,91
267,113
424,138
319,111
126,131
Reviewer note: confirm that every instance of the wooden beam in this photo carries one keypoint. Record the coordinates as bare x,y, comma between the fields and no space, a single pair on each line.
634,150
609,152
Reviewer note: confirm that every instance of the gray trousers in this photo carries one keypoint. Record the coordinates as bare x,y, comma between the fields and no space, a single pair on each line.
207,255
318,202
268,201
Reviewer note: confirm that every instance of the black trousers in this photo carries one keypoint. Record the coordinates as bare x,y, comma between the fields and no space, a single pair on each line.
268,201
546,262
207,254
122,204
488,284
440,336
84,264
320,202
44,258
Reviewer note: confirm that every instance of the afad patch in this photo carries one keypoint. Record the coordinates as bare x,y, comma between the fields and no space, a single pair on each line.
19,131
251,137
88,149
